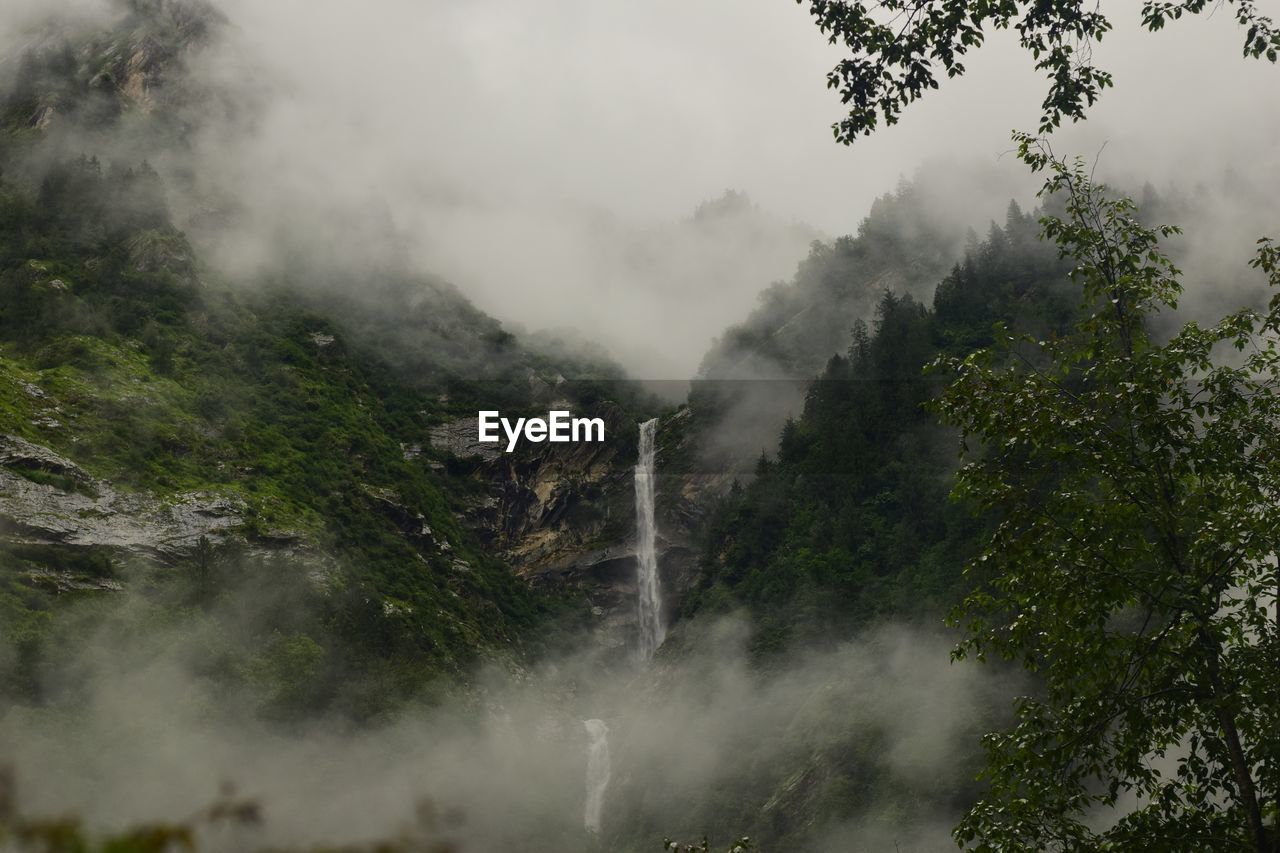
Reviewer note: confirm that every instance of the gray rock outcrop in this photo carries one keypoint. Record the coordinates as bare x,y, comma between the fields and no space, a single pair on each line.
46,499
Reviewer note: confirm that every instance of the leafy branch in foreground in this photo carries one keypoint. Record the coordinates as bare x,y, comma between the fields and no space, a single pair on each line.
897,44
1134,485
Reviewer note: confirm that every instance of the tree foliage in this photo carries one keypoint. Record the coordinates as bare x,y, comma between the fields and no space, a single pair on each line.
1133,485
901,47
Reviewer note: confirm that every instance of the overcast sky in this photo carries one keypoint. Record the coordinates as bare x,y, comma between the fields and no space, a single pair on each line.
524,150
648,108
502,133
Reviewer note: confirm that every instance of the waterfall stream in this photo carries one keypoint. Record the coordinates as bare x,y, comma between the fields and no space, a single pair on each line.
597,772
652,631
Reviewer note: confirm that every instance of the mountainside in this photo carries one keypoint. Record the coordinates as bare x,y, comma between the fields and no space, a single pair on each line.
851,520
756,374
902,245
186,425
163,425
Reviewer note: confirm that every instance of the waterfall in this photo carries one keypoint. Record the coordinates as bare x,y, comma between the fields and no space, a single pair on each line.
597,772
652,630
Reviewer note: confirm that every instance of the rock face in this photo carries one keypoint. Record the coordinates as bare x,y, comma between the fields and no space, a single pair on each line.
141,69
46,499
461,437
563,516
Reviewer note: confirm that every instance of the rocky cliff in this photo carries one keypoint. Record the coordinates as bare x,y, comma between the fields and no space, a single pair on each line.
563,515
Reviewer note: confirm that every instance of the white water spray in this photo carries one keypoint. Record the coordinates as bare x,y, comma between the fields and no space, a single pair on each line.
597,773
652,631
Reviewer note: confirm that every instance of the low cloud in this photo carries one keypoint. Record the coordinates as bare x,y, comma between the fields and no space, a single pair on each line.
703,741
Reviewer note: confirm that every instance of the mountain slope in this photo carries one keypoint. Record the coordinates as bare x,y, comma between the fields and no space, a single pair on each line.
851,521
172,435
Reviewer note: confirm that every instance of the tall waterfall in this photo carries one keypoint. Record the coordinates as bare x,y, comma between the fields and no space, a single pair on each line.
652,631
597,772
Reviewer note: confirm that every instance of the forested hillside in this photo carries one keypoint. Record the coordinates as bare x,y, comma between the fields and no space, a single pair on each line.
902,245
851,520
279,428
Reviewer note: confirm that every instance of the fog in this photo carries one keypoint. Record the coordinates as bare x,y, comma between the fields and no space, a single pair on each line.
542,156
648,110
549,159
143,735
